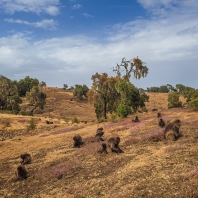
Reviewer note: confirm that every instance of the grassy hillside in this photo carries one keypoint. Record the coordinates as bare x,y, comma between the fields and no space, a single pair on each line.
149,167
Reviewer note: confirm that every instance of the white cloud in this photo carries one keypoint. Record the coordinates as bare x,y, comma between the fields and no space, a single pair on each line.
50,7
77,6
87,15
167,43
48,24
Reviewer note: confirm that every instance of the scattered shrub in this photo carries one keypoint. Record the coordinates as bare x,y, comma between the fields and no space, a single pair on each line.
194,104
23,112
75,120
173,100
31,125
123,110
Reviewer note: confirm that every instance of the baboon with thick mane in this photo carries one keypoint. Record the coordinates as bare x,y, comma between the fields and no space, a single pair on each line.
113,143
161,123
26,158
171,131
78,141
21,172
103,148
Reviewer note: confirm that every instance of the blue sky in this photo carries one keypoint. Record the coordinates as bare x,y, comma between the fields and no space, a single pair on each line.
67,41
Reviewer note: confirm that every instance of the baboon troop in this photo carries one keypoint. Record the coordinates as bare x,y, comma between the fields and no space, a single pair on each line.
26,158
103,148
171,131
21,172
161,123
136,119
78,141
113,143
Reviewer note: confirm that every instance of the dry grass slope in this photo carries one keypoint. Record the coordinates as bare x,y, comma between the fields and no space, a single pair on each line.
150,166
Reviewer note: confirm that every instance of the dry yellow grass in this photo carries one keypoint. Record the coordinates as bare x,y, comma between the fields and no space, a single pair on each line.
147,168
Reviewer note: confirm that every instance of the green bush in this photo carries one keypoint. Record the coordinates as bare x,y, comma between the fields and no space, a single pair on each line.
194,104
75,120
123,110
31,125
173,100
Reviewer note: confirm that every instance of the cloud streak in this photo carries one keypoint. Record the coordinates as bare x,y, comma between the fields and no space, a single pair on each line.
48,24
50,7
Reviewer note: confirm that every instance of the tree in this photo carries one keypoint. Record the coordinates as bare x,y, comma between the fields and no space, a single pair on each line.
65,86
111,94
103,94
193,101
26,84
163,89
180,88
173,100
135,66
36,98
13,104
131,98
80,91
152,89
171,88
7,87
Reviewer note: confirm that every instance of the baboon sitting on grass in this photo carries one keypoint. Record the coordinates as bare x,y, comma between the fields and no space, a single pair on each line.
161,123
113,143
26,158
21,172
78,141
171,131
99,135
136,119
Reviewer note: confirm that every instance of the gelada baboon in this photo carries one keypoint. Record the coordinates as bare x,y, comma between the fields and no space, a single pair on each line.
103,148
113,143
99,130
171,131
78,141
136,119
21,172
161,123
159,115
26,158
99,135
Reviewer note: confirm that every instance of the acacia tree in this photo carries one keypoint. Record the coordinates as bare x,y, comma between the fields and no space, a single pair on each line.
27,84
112,94
135,66
13,103
131,98
103,94
80,91
36,98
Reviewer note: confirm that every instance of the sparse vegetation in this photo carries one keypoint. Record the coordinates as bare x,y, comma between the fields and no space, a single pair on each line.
75,120
31,125
149,167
